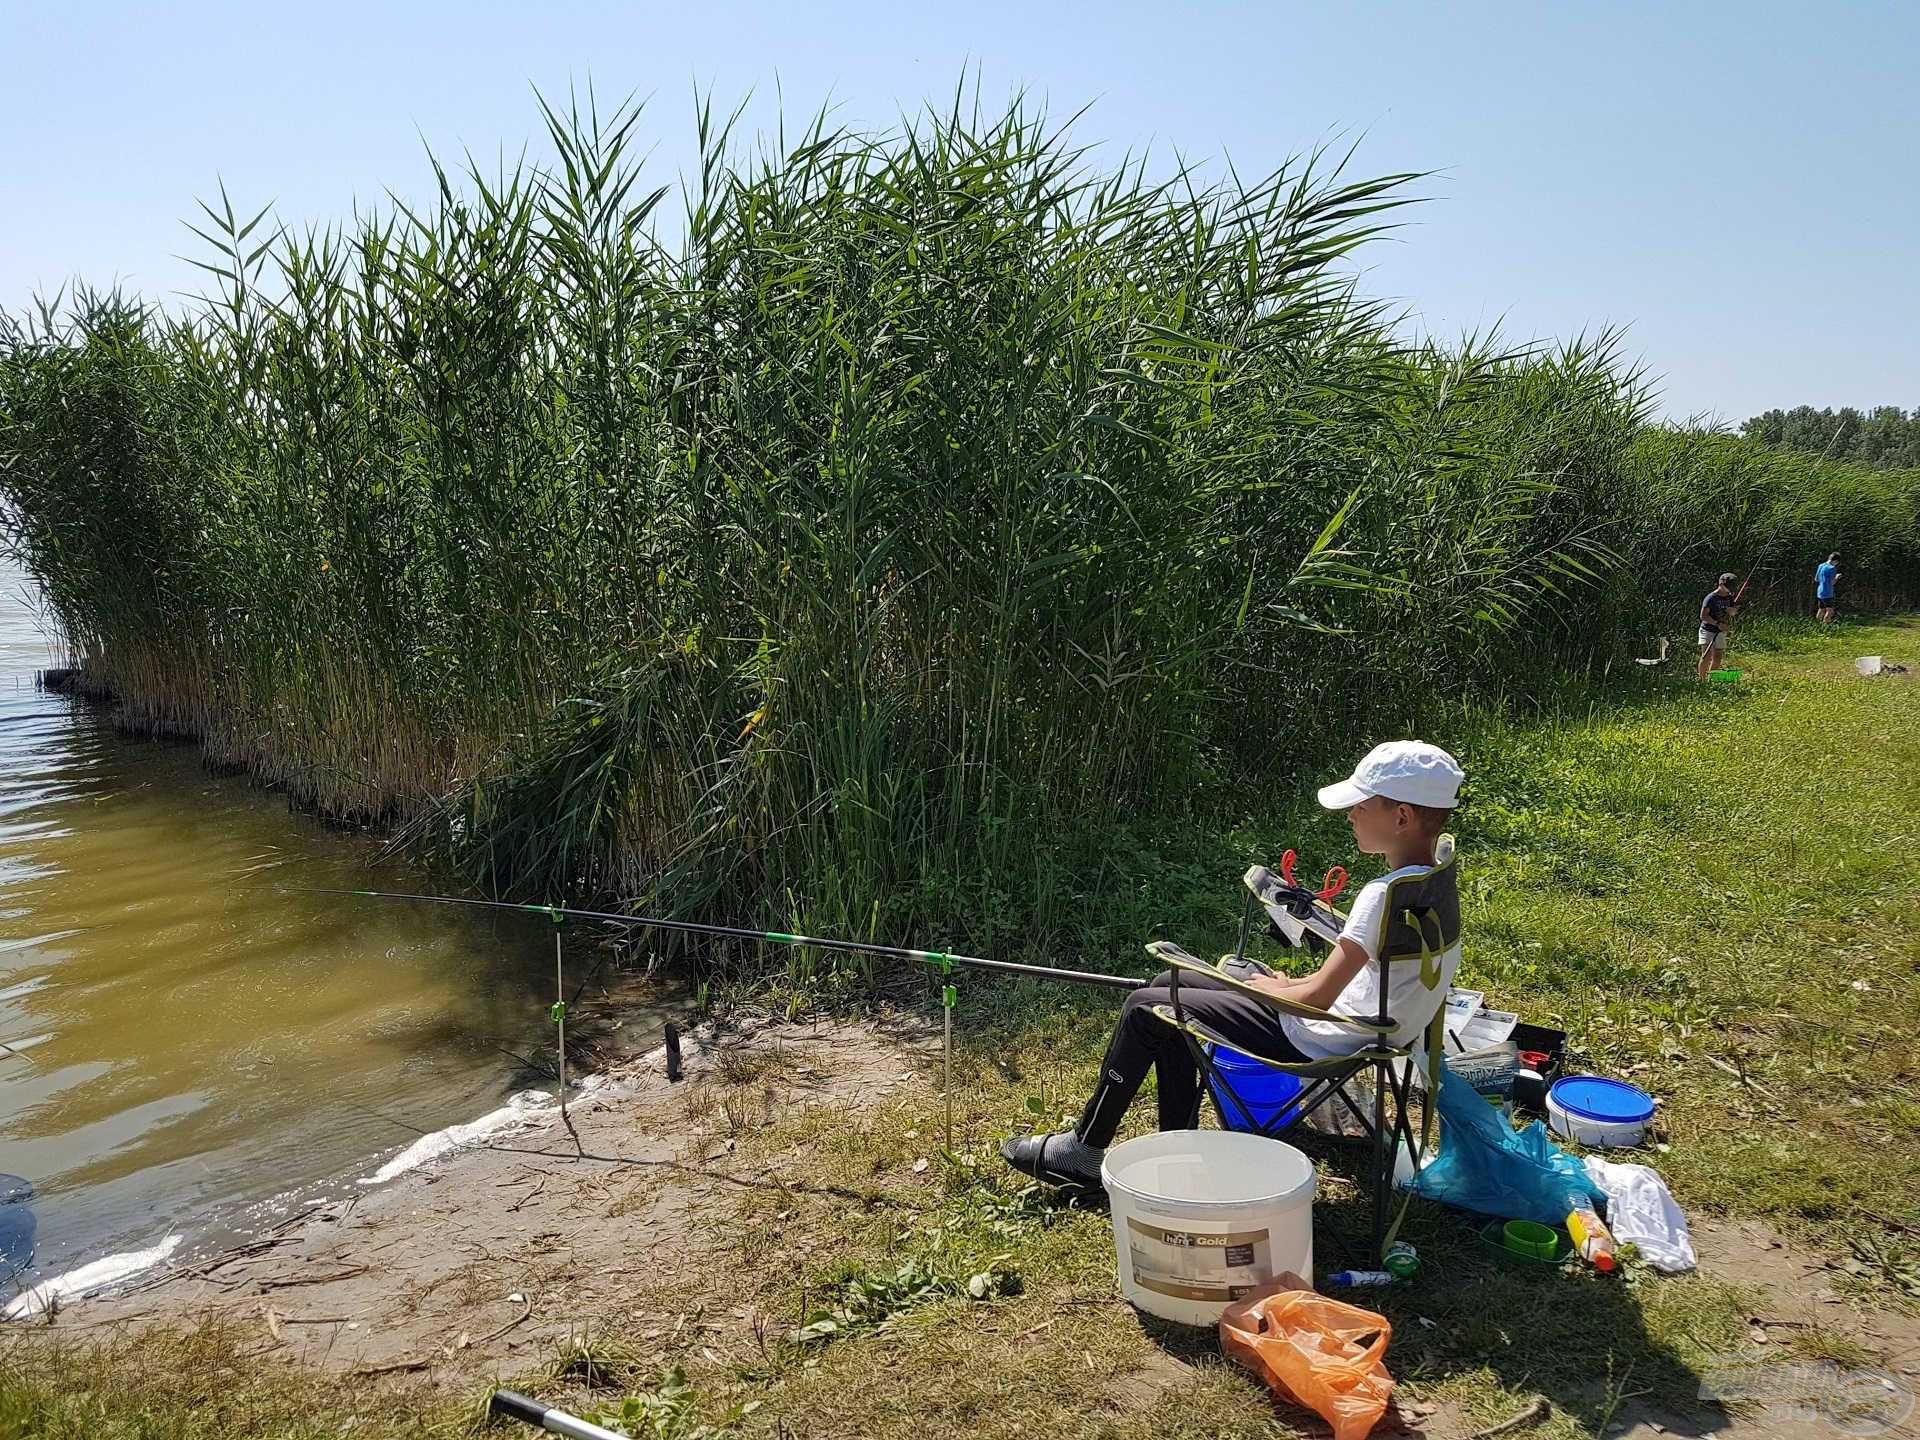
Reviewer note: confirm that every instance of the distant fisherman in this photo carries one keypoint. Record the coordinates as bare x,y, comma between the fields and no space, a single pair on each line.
1716,619
1826,579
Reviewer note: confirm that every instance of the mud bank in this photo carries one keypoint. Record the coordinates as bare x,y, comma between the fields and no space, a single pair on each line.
500,1244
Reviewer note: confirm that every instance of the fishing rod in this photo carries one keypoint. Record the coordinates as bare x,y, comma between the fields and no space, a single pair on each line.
940,960
527,1411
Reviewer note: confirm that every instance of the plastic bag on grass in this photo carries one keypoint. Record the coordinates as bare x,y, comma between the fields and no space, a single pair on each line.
1323,1354
1641,1209
1487,1166
1345,1114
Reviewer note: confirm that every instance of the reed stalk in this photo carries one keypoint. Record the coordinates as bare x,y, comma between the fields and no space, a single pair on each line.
935,504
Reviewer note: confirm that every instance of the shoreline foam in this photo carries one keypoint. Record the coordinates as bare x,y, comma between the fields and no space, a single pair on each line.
93,1276
525,1110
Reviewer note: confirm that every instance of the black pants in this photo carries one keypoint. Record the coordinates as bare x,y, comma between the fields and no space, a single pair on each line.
1142,1041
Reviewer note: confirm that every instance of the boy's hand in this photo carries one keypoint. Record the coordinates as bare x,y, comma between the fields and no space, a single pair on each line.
1246,969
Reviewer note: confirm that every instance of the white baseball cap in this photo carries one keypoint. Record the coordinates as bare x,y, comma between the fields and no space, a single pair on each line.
1410,771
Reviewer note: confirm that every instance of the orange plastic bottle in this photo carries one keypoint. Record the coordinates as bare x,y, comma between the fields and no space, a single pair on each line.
1590,1235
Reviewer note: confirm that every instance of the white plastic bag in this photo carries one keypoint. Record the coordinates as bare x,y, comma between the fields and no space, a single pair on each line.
1641,1209
1345,1116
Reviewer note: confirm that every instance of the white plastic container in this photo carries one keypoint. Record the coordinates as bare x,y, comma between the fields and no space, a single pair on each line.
1202,1218
1462,1006
1489,1027
1601,1113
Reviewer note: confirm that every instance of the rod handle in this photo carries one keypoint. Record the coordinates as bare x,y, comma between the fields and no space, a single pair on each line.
515,1406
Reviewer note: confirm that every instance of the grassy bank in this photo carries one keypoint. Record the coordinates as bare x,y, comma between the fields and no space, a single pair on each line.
932,513
1709,887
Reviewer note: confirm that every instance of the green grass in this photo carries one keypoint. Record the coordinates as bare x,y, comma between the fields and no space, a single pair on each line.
1675,872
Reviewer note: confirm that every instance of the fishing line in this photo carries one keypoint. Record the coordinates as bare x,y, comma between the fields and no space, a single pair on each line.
939,959
942,963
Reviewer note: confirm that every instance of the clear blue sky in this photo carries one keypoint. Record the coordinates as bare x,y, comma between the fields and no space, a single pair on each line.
1733,180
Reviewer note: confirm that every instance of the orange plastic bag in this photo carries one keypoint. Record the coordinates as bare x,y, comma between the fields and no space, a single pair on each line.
1322,1353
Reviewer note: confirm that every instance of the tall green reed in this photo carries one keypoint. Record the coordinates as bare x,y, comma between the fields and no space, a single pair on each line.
936,508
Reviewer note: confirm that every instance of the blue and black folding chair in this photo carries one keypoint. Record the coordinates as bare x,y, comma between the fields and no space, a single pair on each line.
1422,927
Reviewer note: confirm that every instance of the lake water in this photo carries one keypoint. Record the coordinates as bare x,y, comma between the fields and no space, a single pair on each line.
189,1041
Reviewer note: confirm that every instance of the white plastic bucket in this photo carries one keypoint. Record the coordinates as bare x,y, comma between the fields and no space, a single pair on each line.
1202,1218
1605,1114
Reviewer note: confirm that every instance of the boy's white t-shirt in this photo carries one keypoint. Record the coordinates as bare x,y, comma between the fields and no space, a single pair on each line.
1410,1004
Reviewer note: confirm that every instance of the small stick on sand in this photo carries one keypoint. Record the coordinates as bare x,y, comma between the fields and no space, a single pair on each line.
1532,1415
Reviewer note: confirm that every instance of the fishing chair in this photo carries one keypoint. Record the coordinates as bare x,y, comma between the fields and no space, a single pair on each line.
1422,924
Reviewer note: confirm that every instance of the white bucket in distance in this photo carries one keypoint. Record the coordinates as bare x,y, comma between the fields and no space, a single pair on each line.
1202,1218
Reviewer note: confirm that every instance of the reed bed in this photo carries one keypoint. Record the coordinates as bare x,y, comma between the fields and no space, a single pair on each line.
936,508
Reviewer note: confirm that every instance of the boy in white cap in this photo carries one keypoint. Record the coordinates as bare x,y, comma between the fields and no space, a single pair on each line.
1397,800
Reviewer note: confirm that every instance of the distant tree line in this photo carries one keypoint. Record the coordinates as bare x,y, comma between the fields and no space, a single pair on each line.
1885,436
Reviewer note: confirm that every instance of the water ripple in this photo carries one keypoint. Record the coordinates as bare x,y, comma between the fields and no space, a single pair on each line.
186,1039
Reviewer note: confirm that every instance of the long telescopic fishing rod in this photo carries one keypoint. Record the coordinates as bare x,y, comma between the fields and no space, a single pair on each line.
939,959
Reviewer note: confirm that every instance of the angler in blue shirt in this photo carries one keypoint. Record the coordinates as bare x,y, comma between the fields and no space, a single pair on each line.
1826,579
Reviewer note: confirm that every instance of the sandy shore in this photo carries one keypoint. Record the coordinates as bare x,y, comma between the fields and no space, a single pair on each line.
505,1241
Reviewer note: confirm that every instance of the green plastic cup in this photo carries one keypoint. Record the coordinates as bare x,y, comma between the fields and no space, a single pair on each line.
1726,676
1534,1241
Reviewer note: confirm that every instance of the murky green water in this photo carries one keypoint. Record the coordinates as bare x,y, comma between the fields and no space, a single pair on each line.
186,1037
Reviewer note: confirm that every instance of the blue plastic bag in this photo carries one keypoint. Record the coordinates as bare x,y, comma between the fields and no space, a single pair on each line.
1486,1165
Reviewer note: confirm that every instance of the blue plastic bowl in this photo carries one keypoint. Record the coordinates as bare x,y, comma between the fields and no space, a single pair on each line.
1261,1094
